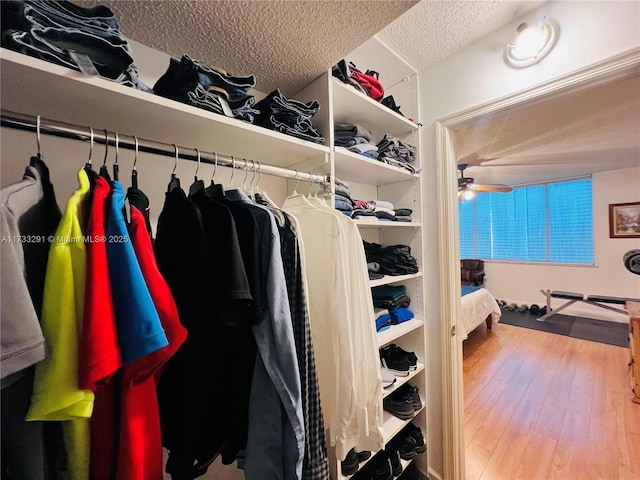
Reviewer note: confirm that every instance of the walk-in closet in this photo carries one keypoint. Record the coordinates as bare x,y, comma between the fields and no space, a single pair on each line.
292,328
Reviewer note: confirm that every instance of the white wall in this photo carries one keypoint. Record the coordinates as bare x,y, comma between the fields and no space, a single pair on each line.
521,283
590,32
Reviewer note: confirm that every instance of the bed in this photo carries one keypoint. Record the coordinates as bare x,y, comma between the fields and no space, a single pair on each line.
478,305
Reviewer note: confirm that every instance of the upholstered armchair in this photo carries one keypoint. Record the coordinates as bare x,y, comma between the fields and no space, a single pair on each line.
472,272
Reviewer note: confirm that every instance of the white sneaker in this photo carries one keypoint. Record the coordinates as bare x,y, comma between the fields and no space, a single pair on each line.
388,377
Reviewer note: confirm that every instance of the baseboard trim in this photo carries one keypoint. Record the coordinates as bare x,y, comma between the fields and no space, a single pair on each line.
433,475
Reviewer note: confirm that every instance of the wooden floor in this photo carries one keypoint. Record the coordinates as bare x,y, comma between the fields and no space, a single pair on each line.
545,406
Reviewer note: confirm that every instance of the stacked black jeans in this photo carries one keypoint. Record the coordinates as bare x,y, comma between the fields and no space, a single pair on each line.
288,116
393,259
188,81
85,39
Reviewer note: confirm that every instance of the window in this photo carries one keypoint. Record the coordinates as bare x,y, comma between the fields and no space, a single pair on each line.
550,222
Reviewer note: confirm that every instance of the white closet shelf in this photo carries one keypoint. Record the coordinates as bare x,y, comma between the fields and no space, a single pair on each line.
368,222
402,380
393,424
397,331
36,87
354,167
351,106
387,279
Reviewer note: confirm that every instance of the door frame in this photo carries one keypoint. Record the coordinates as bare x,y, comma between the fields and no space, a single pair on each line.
614,68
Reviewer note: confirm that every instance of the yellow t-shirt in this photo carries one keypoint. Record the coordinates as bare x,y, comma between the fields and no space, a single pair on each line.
56,395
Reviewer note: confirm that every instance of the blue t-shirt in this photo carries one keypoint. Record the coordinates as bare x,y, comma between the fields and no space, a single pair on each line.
139,329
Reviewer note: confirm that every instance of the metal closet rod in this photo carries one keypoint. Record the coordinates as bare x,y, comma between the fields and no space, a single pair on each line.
56,128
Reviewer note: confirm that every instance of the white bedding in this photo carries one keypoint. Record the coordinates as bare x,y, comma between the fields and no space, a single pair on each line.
476,307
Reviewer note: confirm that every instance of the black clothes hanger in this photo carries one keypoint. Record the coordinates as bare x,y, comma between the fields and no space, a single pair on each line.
116,167
215,190
197,185
104,172
175,181
134,172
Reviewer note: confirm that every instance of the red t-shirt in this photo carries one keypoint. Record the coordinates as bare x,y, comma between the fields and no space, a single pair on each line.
99,354
140,448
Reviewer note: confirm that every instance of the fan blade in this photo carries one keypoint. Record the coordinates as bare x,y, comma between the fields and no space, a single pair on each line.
490,188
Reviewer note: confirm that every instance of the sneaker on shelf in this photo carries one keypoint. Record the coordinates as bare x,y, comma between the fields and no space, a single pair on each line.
381,469
388,377
394,460
398,364
363,455
349,465
415,432
411,393
406,446
413,359
402,408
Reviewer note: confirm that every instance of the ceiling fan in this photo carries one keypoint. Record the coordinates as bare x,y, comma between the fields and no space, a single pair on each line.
467,187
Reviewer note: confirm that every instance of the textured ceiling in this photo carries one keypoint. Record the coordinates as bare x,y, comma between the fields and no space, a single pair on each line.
285,44
433,30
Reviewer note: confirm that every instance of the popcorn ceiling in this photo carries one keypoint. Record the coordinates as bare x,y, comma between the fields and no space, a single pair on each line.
285,44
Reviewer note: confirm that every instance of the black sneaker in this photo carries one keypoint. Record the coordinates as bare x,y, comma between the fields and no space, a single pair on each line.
399,352
415,432
401,408
349,465
398,364
381,470
394,460
408,392
406,446
363,455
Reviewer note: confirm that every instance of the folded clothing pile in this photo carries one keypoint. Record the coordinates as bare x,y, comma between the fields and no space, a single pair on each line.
290,117
344,204
391,260
397,152
394,302
210,88
367,83
84,39
382,210
356,138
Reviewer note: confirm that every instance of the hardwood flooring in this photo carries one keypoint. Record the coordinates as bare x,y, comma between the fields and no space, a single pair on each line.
540,406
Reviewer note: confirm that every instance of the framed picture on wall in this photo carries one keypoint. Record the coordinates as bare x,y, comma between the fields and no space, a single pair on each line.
624,220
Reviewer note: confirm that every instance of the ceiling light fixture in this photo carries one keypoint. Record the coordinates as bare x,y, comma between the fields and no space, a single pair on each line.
532,43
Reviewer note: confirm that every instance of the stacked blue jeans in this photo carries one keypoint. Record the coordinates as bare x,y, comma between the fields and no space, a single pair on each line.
188,81
290,117
57,31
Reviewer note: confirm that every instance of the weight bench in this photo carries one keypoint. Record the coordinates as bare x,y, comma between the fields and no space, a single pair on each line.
596,300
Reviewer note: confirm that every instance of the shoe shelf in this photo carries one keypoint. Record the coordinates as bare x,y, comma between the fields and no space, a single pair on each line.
387,279
396,331
36,87
351,166
366,222
393,425
352,106
402,380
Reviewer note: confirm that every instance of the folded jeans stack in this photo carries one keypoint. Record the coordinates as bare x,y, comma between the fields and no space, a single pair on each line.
290,117
356,138
393,259
84,39
213,89
397,152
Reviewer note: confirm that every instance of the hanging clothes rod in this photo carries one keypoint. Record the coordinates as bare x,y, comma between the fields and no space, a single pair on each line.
29,123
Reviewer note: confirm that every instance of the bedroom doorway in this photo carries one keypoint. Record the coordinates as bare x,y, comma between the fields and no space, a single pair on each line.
447,172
